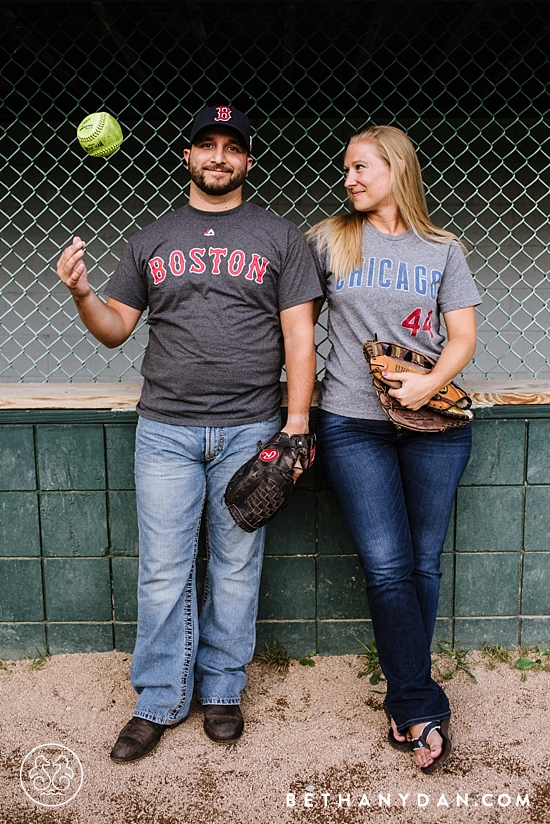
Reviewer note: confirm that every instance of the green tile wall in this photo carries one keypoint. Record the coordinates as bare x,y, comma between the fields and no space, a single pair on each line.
125,636
445,607
77,589
125,579
489,519
20,640
71,457
293,533
474,572
498,453
535,632
74,523
67,637
469,631
333,534
536,584
69,543
17,467
119,442
299,637
341,587
537,519
287,590
123,528
538,462
21,596
19,525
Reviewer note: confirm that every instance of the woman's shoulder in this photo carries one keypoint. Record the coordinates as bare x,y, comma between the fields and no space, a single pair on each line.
456,257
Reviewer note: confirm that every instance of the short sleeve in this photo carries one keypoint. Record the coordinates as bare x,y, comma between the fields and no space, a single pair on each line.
458,289
321,264
127,284
298,281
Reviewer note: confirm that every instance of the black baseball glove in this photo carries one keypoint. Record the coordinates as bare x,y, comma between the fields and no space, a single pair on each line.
264,485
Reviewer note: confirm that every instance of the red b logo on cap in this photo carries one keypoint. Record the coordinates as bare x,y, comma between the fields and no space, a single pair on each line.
224,113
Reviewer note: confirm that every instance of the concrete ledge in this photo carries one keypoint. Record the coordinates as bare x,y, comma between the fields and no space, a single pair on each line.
124,396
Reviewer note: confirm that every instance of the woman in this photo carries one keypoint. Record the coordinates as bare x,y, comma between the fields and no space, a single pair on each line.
388,271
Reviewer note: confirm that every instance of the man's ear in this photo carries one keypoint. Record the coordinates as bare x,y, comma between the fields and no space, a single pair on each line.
249,163
186,153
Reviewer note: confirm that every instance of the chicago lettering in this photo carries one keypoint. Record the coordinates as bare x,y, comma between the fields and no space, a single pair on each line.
386,274
216,261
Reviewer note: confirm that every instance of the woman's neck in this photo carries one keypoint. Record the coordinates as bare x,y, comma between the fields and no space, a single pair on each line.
388,222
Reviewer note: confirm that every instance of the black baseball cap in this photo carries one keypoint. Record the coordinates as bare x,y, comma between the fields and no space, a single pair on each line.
223,116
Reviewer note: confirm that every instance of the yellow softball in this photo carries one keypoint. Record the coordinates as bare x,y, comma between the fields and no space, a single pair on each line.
99,134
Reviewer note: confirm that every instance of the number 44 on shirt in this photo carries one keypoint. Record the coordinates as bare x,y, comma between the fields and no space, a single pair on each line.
414,322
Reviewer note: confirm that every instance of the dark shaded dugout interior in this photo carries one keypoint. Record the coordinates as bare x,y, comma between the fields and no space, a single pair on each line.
272,59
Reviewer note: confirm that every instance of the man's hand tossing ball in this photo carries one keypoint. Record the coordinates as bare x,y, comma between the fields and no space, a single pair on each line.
99,134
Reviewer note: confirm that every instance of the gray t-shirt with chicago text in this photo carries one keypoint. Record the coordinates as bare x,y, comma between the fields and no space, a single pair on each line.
214,284
398,295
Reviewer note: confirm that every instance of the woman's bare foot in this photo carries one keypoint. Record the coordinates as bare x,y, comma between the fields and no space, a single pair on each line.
423,757
397,735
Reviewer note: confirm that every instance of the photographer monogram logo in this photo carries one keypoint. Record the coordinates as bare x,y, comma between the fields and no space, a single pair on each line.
51,775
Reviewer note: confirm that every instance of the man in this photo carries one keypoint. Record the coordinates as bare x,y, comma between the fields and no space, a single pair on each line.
230,289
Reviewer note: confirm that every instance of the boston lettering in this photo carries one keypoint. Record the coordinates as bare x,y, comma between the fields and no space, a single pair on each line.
216,261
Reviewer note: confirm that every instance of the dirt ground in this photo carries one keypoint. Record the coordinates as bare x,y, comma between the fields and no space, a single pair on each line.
315,737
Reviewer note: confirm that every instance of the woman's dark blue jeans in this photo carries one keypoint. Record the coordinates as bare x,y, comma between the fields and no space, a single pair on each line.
396,489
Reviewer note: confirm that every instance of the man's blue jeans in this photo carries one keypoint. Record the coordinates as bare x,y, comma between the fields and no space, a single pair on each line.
181,470
396,489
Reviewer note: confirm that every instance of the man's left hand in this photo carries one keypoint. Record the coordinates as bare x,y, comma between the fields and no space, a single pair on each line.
298,425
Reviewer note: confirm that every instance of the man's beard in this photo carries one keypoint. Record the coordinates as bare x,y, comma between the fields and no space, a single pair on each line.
216,187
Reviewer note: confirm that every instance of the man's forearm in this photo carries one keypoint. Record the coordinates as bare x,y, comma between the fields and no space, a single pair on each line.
101,320
112,322
299,341
300,373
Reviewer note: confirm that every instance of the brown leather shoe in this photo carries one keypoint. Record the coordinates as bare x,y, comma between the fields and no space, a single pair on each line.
223,723
136,739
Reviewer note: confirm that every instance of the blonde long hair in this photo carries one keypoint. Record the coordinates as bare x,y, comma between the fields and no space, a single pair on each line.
342,235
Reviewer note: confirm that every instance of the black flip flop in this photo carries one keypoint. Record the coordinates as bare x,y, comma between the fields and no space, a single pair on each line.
422,741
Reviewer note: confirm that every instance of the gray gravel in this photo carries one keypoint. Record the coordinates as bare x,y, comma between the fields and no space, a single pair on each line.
316,736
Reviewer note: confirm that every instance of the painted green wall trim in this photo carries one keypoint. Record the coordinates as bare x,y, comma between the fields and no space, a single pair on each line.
34,416
67,416
513,412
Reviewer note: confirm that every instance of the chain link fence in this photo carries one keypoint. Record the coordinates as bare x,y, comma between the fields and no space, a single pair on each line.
468,81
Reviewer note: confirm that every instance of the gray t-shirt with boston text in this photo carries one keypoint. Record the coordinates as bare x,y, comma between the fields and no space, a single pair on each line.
214,284
398,295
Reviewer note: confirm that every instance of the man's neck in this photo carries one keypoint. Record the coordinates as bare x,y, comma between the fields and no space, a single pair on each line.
214,203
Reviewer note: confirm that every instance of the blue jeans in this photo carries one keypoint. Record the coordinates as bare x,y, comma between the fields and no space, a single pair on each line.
181,470
396,489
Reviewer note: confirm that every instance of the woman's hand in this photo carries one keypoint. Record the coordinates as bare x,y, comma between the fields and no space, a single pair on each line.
415,390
